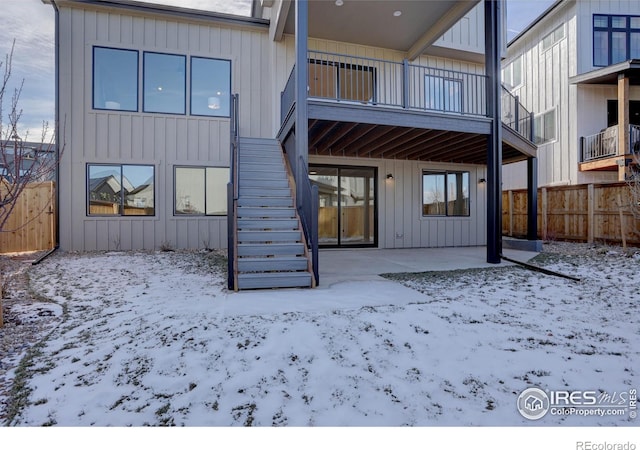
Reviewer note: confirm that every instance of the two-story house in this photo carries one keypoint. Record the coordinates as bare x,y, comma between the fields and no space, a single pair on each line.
309,124
577,66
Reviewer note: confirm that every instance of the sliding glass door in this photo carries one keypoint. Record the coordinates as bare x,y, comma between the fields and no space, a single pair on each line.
348,208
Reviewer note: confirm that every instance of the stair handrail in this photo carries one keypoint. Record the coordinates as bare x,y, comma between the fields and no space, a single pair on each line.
307,207
232,193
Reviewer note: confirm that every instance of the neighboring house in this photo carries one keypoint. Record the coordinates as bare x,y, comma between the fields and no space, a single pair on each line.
577,66
35,159
380,109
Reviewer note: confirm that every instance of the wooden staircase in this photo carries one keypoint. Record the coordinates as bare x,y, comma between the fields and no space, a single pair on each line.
271,251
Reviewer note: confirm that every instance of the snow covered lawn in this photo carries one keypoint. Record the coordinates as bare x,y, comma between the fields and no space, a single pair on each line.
148,339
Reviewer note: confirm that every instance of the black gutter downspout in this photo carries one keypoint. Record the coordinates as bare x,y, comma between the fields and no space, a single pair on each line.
492,33
57,122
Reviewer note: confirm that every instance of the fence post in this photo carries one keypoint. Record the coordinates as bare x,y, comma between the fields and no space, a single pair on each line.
582,149
545,219
510,201
591,206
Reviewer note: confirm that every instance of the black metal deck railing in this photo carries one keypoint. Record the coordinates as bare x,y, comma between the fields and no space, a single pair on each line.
516,116
377,82
605,144
232,192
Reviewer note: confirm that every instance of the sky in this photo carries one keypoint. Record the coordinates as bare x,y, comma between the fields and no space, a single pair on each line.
31,24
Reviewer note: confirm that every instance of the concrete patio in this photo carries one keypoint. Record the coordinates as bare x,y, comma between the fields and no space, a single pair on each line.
349,278
339,265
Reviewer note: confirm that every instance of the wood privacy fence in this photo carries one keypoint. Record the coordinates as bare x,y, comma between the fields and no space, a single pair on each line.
31,225
586,213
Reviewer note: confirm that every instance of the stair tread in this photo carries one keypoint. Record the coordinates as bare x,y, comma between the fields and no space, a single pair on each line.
276,274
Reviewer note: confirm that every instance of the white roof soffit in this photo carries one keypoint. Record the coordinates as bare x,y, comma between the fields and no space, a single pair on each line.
405,25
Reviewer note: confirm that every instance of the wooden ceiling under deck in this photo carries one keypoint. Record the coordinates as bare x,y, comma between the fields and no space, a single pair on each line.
363,140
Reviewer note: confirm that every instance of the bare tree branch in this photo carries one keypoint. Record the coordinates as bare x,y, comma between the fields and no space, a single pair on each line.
21,163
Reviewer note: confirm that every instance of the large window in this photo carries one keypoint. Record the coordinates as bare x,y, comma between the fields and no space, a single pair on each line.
164,83
120,190
544,126
445,193
210,87
615,39
115,79
443,94
201,190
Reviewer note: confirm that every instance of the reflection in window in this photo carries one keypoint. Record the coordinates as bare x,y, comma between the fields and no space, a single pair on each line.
544,126
512,73
445,194
164,83
210,87
342,81
201,190
115,190
115,79
443,94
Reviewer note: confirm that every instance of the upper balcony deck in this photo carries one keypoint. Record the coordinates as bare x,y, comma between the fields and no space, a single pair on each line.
396,109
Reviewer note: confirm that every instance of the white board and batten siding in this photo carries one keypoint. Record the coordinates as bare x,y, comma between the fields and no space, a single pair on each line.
400,220
162,140
580,110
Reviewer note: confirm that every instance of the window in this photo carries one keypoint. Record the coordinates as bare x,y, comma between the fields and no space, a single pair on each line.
445,193
120,190
443,94
342,81
210,87
512,74
615,39
201,190
553,38
545,127
164,83
115,79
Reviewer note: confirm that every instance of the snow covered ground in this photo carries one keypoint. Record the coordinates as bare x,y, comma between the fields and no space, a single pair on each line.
155,339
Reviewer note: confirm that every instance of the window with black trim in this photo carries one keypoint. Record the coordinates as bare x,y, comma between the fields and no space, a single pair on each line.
615,39
165,83
445,193
342,81
115,79
120,190
200,190
544,126
210,87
